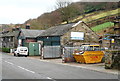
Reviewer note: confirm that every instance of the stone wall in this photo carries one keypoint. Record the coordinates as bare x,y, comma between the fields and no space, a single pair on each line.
89,36
112,59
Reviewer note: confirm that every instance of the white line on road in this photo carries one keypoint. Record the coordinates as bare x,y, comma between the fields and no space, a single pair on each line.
49,78
20,67
9,62
26,69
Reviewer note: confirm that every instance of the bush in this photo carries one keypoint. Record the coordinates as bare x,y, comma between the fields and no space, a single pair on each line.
6,50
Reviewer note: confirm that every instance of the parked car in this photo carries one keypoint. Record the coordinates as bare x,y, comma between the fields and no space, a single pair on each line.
21,51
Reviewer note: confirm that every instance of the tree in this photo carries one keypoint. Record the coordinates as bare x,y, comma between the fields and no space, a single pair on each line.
65,8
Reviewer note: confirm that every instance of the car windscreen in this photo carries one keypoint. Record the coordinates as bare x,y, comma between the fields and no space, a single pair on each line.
89,48
97,48
23,49
83,48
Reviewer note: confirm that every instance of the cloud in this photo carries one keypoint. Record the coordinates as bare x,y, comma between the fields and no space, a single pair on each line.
18,11
18,14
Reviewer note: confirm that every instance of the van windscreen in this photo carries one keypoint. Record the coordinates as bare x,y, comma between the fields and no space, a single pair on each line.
23,49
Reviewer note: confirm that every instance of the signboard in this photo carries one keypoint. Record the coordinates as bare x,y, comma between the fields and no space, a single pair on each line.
77,35
112,41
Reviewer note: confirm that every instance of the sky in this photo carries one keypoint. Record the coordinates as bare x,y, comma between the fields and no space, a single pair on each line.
19,11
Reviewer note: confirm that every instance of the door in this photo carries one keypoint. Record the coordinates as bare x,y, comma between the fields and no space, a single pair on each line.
34,49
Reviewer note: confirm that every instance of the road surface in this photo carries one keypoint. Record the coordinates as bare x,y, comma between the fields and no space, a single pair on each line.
29,68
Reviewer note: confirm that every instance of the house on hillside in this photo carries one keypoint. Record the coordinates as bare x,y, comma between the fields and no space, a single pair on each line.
9,40
28,35
73,34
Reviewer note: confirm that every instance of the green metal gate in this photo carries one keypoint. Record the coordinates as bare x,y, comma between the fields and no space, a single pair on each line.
34,49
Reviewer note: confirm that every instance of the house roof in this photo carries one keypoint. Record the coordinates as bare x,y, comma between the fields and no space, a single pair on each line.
57,30
31,33
9,34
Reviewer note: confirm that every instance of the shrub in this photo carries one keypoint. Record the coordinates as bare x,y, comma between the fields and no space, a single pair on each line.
6,50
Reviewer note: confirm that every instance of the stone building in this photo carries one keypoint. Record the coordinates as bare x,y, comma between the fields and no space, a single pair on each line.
62,35
9,40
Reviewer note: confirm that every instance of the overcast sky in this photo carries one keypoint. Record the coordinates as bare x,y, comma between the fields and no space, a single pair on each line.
18,11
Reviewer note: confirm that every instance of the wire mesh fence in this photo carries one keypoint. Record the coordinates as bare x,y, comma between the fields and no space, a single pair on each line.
52,51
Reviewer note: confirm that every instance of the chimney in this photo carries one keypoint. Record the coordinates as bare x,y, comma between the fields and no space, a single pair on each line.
27,26
17,28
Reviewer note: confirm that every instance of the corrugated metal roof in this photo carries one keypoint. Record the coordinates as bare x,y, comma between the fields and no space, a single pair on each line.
31,33
57,30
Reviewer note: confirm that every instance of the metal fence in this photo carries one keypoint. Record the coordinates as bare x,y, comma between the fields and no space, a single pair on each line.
68,54
51,51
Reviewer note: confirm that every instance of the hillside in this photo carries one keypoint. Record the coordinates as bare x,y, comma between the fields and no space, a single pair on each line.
93,13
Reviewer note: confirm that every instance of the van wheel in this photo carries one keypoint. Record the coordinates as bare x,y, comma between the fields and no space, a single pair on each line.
14,54
18,55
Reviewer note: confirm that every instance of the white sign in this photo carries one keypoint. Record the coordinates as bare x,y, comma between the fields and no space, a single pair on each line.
77,35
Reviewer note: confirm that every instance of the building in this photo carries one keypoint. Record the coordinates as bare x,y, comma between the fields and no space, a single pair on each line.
73,34
9,40
28,35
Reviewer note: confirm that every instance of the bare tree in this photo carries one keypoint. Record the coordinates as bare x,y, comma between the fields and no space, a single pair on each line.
62,3
65,9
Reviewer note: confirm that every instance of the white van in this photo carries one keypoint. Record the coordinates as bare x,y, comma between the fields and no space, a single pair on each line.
21,51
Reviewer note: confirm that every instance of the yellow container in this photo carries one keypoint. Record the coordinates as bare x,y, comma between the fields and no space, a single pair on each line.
89,56
79,58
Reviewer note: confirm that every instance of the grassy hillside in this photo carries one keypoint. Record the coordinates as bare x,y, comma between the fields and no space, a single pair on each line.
101,15
85,11
102,26
95,16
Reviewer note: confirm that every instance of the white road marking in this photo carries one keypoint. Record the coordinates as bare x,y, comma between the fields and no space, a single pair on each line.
26,69
20,67
9,62
49,78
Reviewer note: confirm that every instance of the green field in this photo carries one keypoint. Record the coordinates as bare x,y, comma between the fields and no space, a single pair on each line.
102,26
96,16
101,15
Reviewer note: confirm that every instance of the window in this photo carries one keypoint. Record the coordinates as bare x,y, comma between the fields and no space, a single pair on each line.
47,43
90,48
55,43
96,48
11,39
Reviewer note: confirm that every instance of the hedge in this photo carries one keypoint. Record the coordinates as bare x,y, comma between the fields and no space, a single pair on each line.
7,50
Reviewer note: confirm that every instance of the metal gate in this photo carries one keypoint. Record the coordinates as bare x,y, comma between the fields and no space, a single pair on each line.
51,52
68,54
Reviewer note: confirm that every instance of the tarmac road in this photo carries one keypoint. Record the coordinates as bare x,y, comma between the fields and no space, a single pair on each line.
28,68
